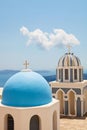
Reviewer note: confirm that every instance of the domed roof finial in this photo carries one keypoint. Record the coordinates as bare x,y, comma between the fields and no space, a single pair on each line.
26,64
69,48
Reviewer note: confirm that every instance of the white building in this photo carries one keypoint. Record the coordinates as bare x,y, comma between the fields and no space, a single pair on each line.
27,104
69,87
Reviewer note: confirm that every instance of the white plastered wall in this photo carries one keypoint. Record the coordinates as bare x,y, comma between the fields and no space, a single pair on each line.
22,116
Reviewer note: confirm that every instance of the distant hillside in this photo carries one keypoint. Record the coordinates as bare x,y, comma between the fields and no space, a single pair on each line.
85,76
48,75
8,71
6,74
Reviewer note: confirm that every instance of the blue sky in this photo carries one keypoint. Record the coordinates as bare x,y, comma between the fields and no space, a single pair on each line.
45,15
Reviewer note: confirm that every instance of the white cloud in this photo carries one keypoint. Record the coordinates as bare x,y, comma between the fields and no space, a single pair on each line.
48,40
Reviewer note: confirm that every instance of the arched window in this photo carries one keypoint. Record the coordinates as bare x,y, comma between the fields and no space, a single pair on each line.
59,74
9,122
85,100
79,106
35,123
60,97
66,74
71,103
80,75
75,74
55,120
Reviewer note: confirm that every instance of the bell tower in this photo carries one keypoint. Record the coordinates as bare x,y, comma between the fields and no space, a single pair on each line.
69,68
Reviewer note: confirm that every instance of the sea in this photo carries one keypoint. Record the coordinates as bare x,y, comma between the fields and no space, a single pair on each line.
6,74
48,75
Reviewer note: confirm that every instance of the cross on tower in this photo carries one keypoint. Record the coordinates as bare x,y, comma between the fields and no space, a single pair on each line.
26,64
69,48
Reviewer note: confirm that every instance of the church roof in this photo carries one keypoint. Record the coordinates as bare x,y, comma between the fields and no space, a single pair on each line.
69,59
26,89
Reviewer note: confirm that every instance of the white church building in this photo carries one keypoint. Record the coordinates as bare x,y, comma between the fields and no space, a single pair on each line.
27,104
69,87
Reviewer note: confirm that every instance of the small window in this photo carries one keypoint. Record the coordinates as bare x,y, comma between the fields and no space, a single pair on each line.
59,73
35,123
79,74
10,122
53,96
75,74
66,74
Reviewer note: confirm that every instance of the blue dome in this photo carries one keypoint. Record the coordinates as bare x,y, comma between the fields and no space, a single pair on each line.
26,89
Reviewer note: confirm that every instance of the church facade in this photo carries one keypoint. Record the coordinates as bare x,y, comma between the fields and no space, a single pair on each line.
69,87
26,103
